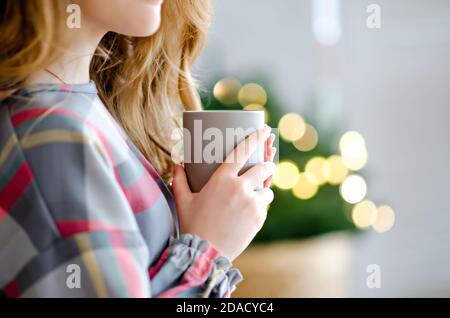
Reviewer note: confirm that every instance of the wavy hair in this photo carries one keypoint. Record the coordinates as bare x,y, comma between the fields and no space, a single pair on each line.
144,82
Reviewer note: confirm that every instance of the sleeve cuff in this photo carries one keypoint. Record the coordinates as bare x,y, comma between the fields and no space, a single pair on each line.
208,269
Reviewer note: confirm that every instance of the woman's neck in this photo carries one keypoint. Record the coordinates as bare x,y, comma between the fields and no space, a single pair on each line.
73,66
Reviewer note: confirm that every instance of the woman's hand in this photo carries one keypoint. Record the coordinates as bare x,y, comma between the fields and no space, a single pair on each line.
228,212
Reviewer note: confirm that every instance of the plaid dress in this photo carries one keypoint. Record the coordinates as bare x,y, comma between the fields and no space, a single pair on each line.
84,214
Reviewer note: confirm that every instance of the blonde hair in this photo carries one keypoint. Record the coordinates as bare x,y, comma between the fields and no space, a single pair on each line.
144,82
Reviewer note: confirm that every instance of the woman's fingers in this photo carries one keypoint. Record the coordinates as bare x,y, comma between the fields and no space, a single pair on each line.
180,184
265,196
268,150
260,172
270,155
268,181
273,151
239,156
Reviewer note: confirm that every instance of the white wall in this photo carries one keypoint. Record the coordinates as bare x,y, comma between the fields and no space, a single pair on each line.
272,38
397,94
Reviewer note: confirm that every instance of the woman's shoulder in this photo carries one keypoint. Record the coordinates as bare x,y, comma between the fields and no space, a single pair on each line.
45,126
50,110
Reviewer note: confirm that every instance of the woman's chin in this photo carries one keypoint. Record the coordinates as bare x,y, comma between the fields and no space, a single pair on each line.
145,29
150,30
145,23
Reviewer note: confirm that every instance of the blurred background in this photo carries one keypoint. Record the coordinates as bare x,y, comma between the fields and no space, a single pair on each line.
359,92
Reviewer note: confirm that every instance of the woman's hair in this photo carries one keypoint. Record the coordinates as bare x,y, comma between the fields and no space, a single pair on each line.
143,82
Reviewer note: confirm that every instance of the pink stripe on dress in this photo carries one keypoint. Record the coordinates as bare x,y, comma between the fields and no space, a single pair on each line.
71,227
12,191
135,193
128,267
196,275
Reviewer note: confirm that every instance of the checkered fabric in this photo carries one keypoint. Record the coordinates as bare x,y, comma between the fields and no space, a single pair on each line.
78,198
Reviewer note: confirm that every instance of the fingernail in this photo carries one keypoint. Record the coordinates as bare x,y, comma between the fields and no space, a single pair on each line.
273,153
272,138
268,182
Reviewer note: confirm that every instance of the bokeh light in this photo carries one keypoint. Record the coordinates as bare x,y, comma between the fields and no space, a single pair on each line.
309,139
337,170
258,107
226,90
318,169
252,94
292,126
364,214
286,176
353,150
305,188
385,219
353,189
326,21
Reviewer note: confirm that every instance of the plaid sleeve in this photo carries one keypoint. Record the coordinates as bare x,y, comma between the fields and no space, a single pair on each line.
68,230
192,267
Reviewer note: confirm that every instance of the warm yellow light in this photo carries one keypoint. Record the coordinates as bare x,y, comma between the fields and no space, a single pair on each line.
385,219
353,189
258,107
286,175
226,90
364,214
292,126
254,107
305,187
353,150
252,94
318,169
337,170
309,139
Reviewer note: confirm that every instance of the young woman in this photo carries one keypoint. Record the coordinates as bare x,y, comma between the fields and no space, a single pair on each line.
86,114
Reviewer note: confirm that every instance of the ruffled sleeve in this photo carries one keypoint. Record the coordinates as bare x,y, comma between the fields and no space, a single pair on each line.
192,267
